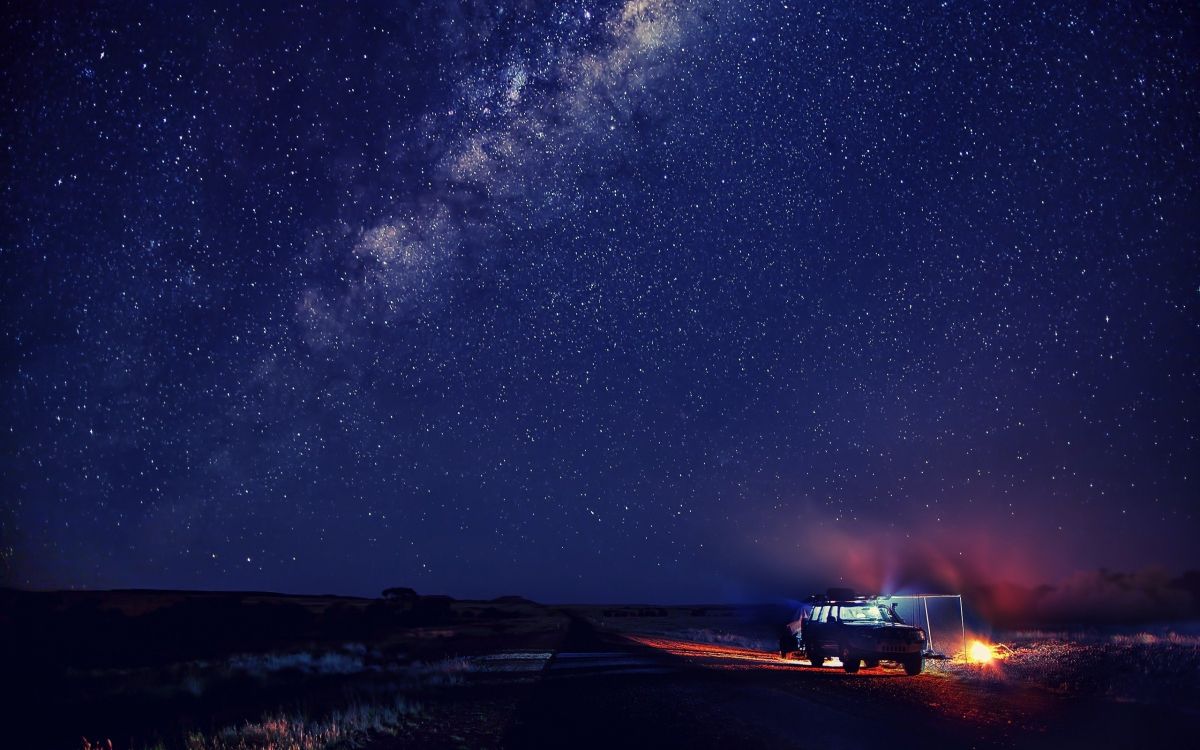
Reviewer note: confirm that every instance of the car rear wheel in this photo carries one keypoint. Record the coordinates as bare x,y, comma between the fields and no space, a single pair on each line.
914,665
816,658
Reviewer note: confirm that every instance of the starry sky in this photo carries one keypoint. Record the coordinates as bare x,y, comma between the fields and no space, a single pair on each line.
597,301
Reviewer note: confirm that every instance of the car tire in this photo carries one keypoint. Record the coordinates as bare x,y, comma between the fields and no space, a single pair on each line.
816,658
913,666
870,663
849,662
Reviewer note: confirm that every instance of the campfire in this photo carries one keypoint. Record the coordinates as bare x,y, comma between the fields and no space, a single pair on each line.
980,652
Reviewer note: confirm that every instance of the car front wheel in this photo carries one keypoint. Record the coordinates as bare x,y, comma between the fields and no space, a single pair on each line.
816,658
849,661
914,665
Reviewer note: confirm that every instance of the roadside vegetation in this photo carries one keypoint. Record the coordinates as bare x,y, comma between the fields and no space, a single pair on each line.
347,728
245,671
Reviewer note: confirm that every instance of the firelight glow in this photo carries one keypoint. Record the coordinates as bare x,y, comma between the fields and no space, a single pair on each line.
980,653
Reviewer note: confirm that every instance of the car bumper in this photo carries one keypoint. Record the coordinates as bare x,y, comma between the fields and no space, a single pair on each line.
887,650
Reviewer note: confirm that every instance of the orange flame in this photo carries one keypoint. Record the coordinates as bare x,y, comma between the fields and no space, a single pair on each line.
981,653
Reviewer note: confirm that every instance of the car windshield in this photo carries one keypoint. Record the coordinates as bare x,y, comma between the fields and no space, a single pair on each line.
865,613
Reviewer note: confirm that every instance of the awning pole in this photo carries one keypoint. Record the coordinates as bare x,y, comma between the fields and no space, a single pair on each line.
928,623
962,619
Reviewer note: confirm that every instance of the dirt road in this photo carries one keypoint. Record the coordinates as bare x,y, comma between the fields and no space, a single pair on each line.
603,690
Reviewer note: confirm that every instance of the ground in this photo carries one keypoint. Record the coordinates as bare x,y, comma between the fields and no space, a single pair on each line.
513,674
607,689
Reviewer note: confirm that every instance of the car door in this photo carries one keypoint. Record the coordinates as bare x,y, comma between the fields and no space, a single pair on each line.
831,641
813,626
826,635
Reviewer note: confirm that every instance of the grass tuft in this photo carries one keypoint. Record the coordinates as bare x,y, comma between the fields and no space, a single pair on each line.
347,728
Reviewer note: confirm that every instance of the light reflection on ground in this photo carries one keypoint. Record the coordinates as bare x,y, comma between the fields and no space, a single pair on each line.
721,656
950,689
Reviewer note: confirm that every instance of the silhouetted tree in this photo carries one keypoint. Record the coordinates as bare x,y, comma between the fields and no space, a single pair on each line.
400,594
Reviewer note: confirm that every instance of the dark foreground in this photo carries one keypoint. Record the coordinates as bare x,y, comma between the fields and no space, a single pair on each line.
658,693
186,671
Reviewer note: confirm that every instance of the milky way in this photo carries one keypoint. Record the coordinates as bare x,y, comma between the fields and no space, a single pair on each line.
592,301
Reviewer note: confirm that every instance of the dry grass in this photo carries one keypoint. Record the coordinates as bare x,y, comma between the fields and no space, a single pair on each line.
1143,667
202,677
448,671
348,728
342,729
330,662
1150,639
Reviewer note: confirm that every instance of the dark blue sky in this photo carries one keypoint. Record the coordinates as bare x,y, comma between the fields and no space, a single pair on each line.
589,301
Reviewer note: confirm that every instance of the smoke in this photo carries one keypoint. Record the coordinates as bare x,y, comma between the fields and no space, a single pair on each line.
881,558
1008,581
1093,597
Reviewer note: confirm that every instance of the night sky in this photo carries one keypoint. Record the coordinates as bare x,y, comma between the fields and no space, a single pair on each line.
598,300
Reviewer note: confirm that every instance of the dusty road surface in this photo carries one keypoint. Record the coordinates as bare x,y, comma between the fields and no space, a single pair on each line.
602,689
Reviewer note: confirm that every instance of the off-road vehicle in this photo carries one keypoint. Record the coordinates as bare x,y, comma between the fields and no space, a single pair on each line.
859,630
